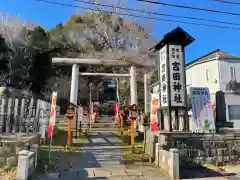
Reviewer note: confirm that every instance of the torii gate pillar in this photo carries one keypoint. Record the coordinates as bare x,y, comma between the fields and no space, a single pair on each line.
133,85
75,78
74,84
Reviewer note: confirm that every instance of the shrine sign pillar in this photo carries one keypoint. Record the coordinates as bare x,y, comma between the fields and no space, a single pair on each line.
172,78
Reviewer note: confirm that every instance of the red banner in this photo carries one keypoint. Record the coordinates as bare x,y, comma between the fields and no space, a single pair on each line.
116,111
52,114
154,112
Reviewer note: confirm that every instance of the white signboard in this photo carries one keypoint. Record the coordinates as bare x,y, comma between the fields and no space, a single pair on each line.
202,109
176,75
163,76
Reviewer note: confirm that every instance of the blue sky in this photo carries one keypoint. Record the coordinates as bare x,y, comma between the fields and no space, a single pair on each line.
207,39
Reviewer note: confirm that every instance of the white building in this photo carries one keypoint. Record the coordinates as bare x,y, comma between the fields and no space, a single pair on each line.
219,71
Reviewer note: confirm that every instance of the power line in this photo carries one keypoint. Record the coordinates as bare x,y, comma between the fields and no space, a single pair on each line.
190,7
160,14
228,2
138,16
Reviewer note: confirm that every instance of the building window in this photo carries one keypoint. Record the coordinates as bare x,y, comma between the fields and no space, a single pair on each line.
232,73
207,75
234,112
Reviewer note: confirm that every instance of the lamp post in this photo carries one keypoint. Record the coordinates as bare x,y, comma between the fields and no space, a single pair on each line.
121,118
70,114
133,113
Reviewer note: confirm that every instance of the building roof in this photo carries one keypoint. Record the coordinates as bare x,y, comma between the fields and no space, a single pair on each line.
178,35
213,55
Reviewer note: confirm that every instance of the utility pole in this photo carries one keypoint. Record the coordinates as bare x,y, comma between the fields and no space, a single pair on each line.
117,10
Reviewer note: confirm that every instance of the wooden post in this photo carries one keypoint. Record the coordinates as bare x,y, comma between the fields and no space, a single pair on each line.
129,131
121,118
70,114
69,131
132,135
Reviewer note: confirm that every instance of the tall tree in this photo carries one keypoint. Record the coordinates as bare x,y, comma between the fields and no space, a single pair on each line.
29,62
4,60
106,36
40,70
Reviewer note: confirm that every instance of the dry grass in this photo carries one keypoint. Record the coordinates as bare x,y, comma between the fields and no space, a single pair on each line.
131,157
7,173
58,150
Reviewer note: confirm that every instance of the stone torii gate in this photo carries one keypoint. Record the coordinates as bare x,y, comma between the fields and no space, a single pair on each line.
75,62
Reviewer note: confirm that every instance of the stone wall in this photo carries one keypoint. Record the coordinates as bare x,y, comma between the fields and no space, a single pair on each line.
168,161
11,145
200,148
203,148
21,113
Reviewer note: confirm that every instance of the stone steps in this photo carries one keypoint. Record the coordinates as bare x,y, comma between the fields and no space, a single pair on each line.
103,125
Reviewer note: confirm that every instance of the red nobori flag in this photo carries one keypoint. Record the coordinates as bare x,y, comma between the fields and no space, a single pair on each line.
52,114
50,129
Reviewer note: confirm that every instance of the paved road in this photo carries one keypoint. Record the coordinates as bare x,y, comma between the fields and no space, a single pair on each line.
100,159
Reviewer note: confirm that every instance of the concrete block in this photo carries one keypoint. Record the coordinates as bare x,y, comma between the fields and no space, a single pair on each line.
22,167
175,163
11,161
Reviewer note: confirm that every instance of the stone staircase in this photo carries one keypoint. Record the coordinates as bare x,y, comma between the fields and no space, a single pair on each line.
104,124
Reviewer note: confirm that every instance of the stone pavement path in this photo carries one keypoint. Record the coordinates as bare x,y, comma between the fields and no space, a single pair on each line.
235,170
101,158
